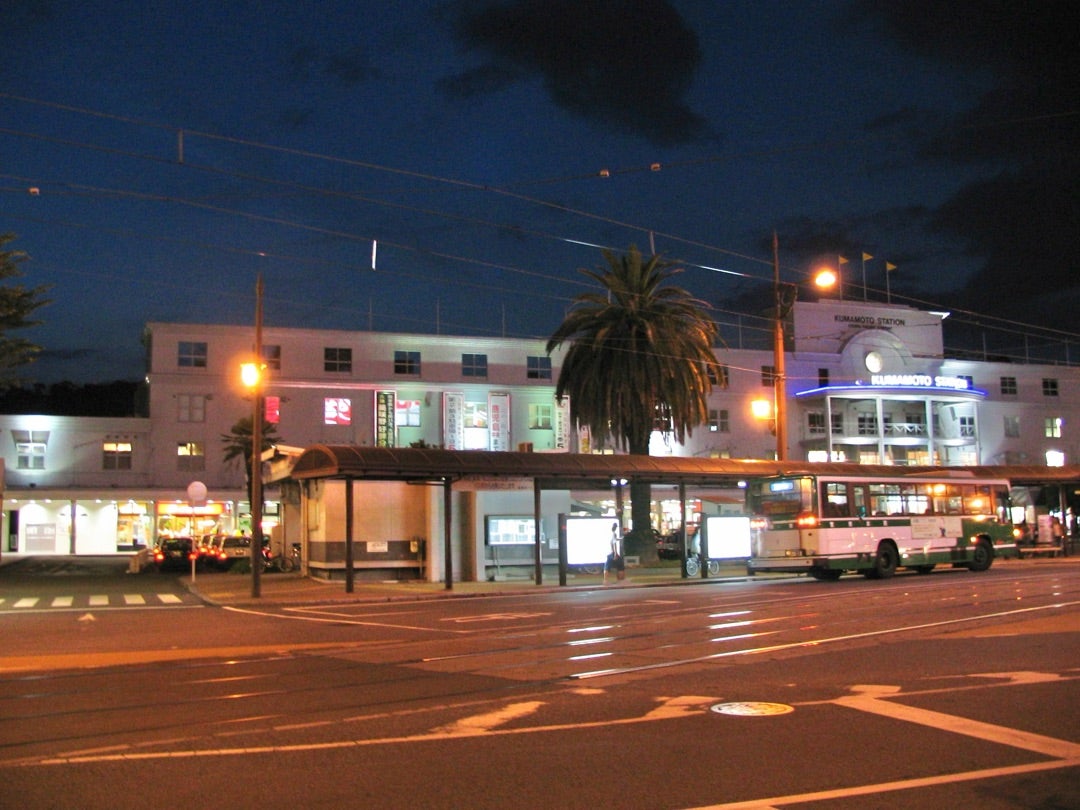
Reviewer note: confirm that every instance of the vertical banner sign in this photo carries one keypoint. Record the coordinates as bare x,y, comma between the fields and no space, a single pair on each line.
385,407
499,423
562,425
453,424
584,440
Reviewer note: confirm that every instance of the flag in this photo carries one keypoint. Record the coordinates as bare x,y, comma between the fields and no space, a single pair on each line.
842,260
866,257
889,267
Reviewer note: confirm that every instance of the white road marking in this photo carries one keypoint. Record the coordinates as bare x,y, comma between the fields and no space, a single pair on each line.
169,598
99,600
134,599
871,700
63,601
26,602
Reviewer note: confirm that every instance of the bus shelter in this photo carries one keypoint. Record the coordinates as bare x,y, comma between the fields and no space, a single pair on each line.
566,471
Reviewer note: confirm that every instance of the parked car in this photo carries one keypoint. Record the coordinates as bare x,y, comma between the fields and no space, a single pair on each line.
667,546
175,553
228,549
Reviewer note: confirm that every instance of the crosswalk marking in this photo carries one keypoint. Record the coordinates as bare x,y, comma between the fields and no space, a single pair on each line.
97,600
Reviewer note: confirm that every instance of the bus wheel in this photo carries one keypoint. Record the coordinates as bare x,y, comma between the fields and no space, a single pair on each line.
981,557
924,569
826,574
885,562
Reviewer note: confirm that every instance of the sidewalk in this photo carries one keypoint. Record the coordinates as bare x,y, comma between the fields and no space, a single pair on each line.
284,589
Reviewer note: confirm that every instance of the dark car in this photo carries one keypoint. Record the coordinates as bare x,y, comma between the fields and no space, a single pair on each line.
174,553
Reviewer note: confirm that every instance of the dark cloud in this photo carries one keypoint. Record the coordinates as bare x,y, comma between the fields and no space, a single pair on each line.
621,64
349,66
1022,218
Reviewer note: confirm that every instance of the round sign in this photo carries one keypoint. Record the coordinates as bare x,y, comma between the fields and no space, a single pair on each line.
196,493
752,709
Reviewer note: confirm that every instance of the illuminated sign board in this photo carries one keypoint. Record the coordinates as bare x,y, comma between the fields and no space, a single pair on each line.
920,381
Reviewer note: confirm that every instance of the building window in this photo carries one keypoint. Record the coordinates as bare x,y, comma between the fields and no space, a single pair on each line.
116,455
540,416
822,377
337,360
815,423
1008,386
190,408
718,421
867,424
539,368
191,354
190,457
717,374
1050,387
473,365
271,356
1012,427
407,413
407,363
337,411
967,427
768,376
1053,427
30,448
837,421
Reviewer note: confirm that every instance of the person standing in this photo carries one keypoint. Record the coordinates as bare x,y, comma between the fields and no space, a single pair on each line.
615,561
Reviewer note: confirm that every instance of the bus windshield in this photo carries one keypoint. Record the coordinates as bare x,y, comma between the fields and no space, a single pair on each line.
781,497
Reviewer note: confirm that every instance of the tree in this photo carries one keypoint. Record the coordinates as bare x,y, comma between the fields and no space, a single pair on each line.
17,303
640,359
238,444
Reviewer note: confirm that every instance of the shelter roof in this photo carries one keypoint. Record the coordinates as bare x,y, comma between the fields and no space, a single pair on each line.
557,470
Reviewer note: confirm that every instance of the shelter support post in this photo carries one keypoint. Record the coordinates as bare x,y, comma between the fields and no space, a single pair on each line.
448,546
350,572
538,556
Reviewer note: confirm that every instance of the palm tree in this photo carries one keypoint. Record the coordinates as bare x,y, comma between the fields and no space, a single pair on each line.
238,444
640,359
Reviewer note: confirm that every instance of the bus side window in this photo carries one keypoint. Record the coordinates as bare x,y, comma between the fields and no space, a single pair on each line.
859,492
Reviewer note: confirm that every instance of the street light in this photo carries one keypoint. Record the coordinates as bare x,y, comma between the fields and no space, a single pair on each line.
784,295
251,375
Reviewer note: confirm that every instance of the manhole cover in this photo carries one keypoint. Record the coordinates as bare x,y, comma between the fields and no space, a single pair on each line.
752,709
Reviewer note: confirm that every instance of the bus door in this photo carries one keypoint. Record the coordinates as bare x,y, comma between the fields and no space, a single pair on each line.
863,536
843,525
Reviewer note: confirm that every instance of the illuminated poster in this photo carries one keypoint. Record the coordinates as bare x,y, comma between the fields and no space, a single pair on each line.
562,425
499,408
385,406
337,411
453,421
584,440
273,410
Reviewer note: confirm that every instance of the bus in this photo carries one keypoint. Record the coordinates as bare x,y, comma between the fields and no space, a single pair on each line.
824,525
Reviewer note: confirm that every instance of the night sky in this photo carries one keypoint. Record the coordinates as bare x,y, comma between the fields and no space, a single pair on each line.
491,149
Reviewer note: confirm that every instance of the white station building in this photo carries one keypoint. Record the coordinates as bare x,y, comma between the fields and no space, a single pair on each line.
866,383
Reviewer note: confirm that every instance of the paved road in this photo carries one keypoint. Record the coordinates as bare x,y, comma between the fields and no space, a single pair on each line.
952,689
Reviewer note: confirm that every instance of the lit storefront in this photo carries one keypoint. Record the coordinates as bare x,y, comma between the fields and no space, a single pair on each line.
914,419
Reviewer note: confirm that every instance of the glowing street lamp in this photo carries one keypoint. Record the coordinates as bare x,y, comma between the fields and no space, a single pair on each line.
784,295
